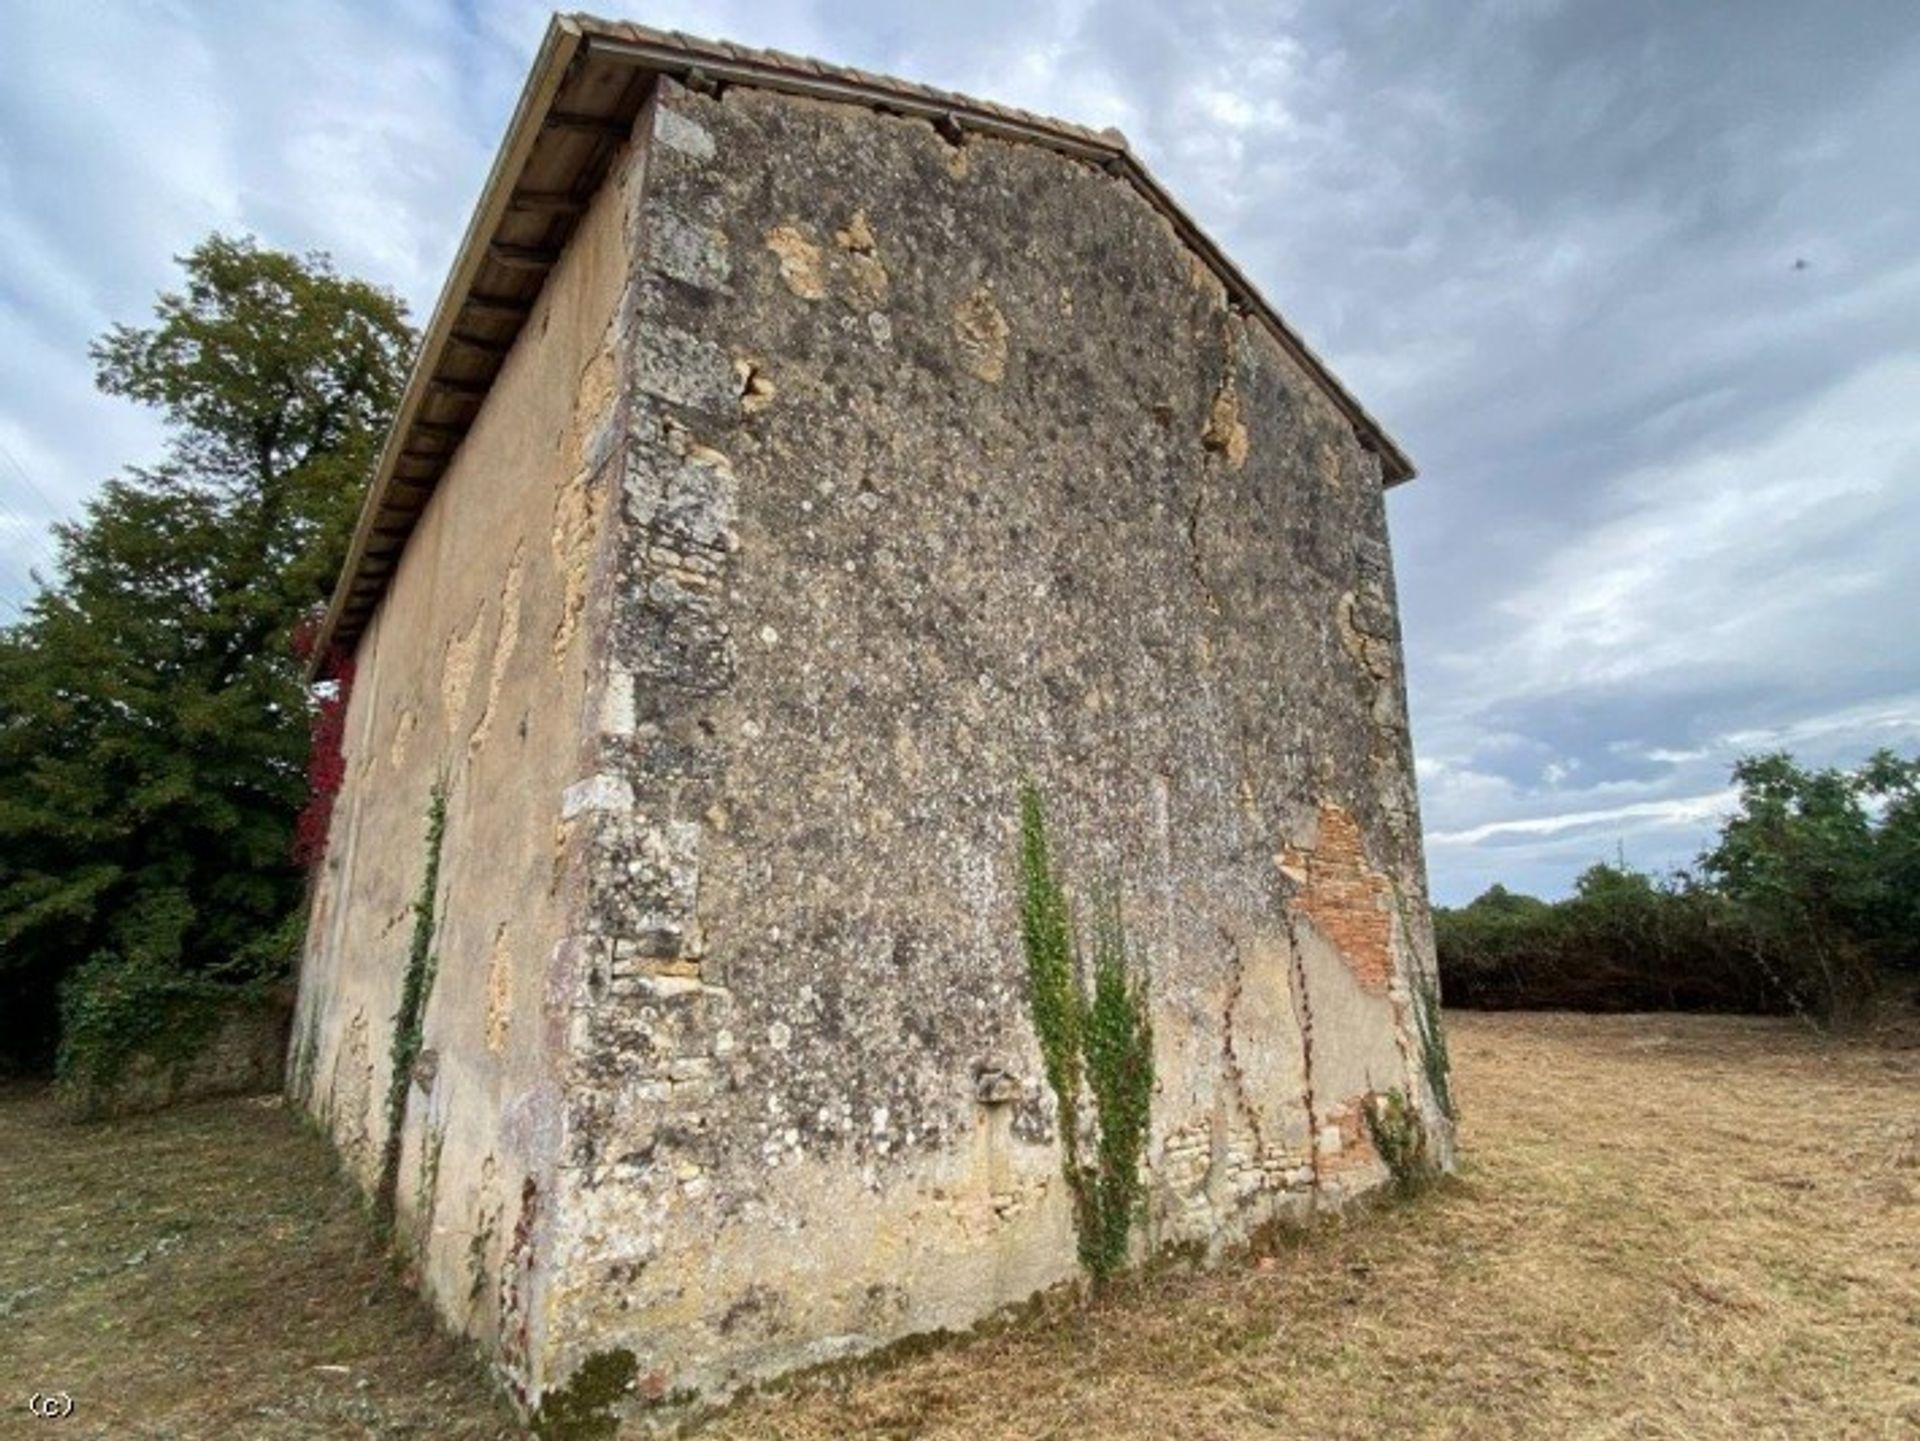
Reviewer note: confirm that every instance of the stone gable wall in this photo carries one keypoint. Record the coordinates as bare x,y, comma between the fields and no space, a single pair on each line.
945,465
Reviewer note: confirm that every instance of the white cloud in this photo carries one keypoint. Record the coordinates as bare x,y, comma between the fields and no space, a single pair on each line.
1891,722
1685,811
1670,500
1731,558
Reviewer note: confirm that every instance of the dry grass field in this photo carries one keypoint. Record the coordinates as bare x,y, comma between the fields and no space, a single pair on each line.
1667,1227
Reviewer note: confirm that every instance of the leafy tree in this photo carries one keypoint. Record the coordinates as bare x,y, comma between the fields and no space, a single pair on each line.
1798,858
1810,892
153,719
1496,902
1893,785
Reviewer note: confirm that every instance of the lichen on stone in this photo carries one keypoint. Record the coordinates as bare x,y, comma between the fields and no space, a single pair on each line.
981,331
802,268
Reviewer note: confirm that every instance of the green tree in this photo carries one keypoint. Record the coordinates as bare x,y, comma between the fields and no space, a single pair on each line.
1798,859
153,718
1810,893
1893,786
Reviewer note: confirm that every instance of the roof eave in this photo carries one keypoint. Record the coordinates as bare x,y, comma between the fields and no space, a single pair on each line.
558,47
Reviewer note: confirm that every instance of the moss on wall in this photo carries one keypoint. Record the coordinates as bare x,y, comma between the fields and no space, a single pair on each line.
586,1408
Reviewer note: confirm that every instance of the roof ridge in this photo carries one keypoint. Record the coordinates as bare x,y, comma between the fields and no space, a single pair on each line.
781,62
535,192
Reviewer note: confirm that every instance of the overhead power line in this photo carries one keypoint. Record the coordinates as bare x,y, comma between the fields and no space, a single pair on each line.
29,532
33,533
27,480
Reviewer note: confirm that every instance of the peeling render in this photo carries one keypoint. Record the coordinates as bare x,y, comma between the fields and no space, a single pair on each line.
848,477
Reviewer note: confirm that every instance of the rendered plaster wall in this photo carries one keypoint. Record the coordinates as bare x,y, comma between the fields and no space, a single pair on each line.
945,465
475,672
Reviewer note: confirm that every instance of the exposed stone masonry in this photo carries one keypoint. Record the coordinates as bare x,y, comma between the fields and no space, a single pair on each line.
908,465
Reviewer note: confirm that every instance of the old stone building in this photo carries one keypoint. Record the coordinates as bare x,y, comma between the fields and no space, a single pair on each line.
796,460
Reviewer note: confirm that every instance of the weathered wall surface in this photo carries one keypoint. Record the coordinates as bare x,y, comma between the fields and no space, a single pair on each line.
475,672
947,464
244,1055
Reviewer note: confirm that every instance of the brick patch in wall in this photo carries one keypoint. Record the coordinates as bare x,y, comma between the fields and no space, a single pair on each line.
1346,899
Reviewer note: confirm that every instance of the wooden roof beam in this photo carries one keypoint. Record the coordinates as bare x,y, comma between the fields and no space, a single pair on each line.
522,257
480,344
546,202
506,306
607,125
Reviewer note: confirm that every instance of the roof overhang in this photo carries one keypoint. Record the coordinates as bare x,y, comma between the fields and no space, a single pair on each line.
588,82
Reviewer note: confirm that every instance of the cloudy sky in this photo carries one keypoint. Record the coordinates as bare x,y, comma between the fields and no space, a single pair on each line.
1636,284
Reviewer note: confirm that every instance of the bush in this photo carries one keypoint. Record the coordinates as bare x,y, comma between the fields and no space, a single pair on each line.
1621,942
1808,896
125,1021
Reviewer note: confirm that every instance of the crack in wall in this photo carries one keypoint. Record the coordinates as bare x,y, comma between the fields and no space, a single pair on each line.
1230,1060
1303,1007
1218,456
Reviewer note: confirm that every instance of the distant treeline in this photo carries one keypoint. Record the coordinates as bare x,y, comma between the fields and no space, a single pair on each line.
1808,901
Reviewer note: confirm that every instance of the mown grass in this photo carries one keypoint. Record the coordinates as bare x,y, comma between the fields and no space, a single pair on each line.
205,1272
1667,1227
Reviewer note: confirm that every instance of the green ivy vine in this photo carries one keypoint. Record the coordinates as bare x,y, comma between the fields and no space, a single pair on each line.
1096,1042
416,984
